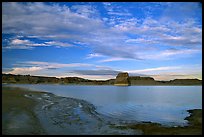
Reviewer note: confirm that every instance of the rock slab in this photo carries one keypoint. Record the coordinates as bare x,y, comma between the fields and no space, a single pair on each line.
122,79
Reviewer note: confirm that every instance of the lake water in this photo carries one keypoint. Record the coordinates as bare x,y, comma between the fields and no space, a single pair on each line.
162,104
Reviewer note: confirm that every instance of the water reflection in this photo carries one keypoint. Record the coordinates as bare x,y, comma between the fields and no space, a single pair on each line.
163,104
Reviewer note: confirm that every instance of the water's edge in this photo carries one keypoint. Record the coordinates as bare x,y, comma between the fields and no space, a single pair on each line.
66,115
61,115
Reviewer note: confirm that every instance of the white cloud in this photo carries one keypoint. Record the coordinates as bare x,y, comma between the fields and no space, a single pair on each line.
56,65
59,44
22,44
115,10
119,13
94,55
106,3
126,24
171,72
114,59
91,77
169,54
176,52
168,77
141,40
52,20
24,70
16,47
85,10
18,41
185,71
116,37
154,69
27,44
169,33
40,68
61,26
181,10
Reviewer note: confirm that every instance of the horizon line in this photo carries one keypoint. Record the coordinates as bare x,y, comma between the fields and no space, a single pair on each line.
92,79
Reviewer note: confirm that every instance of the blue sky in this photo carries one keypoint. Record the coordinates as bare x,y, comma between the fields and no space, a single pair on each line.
97,40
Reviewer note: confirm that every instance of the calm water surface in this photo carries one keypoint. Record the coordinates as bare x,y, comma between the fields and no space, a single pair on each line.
162,104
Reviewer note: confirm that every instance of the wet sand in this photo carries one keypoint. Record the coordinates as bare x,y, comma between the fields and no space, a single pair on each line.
18,116
26,112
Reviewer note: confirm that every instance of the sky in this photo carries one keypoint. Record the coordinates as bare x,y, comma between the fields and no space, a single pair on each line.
97,40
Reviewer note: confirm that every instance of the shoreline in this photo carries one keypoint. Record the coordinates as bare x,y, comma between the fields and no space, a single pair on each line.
98,85
124,79
148,128
18,116
34,100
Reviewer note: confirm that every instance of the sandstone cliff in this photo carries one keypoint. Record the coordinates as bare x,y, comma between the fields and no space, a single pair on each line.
122,79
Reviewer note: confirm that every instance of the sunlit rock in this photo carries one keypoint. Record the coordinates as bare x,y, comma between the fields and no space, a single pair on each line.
122,79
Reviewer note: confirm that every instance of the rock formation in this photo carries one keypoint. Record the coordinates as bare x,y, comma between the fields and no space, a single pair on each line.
122,79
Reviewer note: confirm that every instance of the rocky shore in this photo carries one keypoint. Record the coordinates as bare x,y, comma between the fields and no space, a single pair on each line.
148,128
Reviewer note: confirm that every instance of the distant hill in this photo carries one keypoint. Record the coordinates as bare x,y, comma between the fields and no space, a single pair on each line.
122,79
27,79
137,80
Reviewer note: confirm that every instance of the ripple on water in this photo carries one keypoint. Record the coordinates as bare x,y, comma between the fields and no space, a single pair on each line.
167,115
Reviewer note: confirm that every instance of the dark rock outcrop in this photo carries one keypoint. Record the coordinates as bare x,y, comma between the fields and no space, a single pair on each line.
122,79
